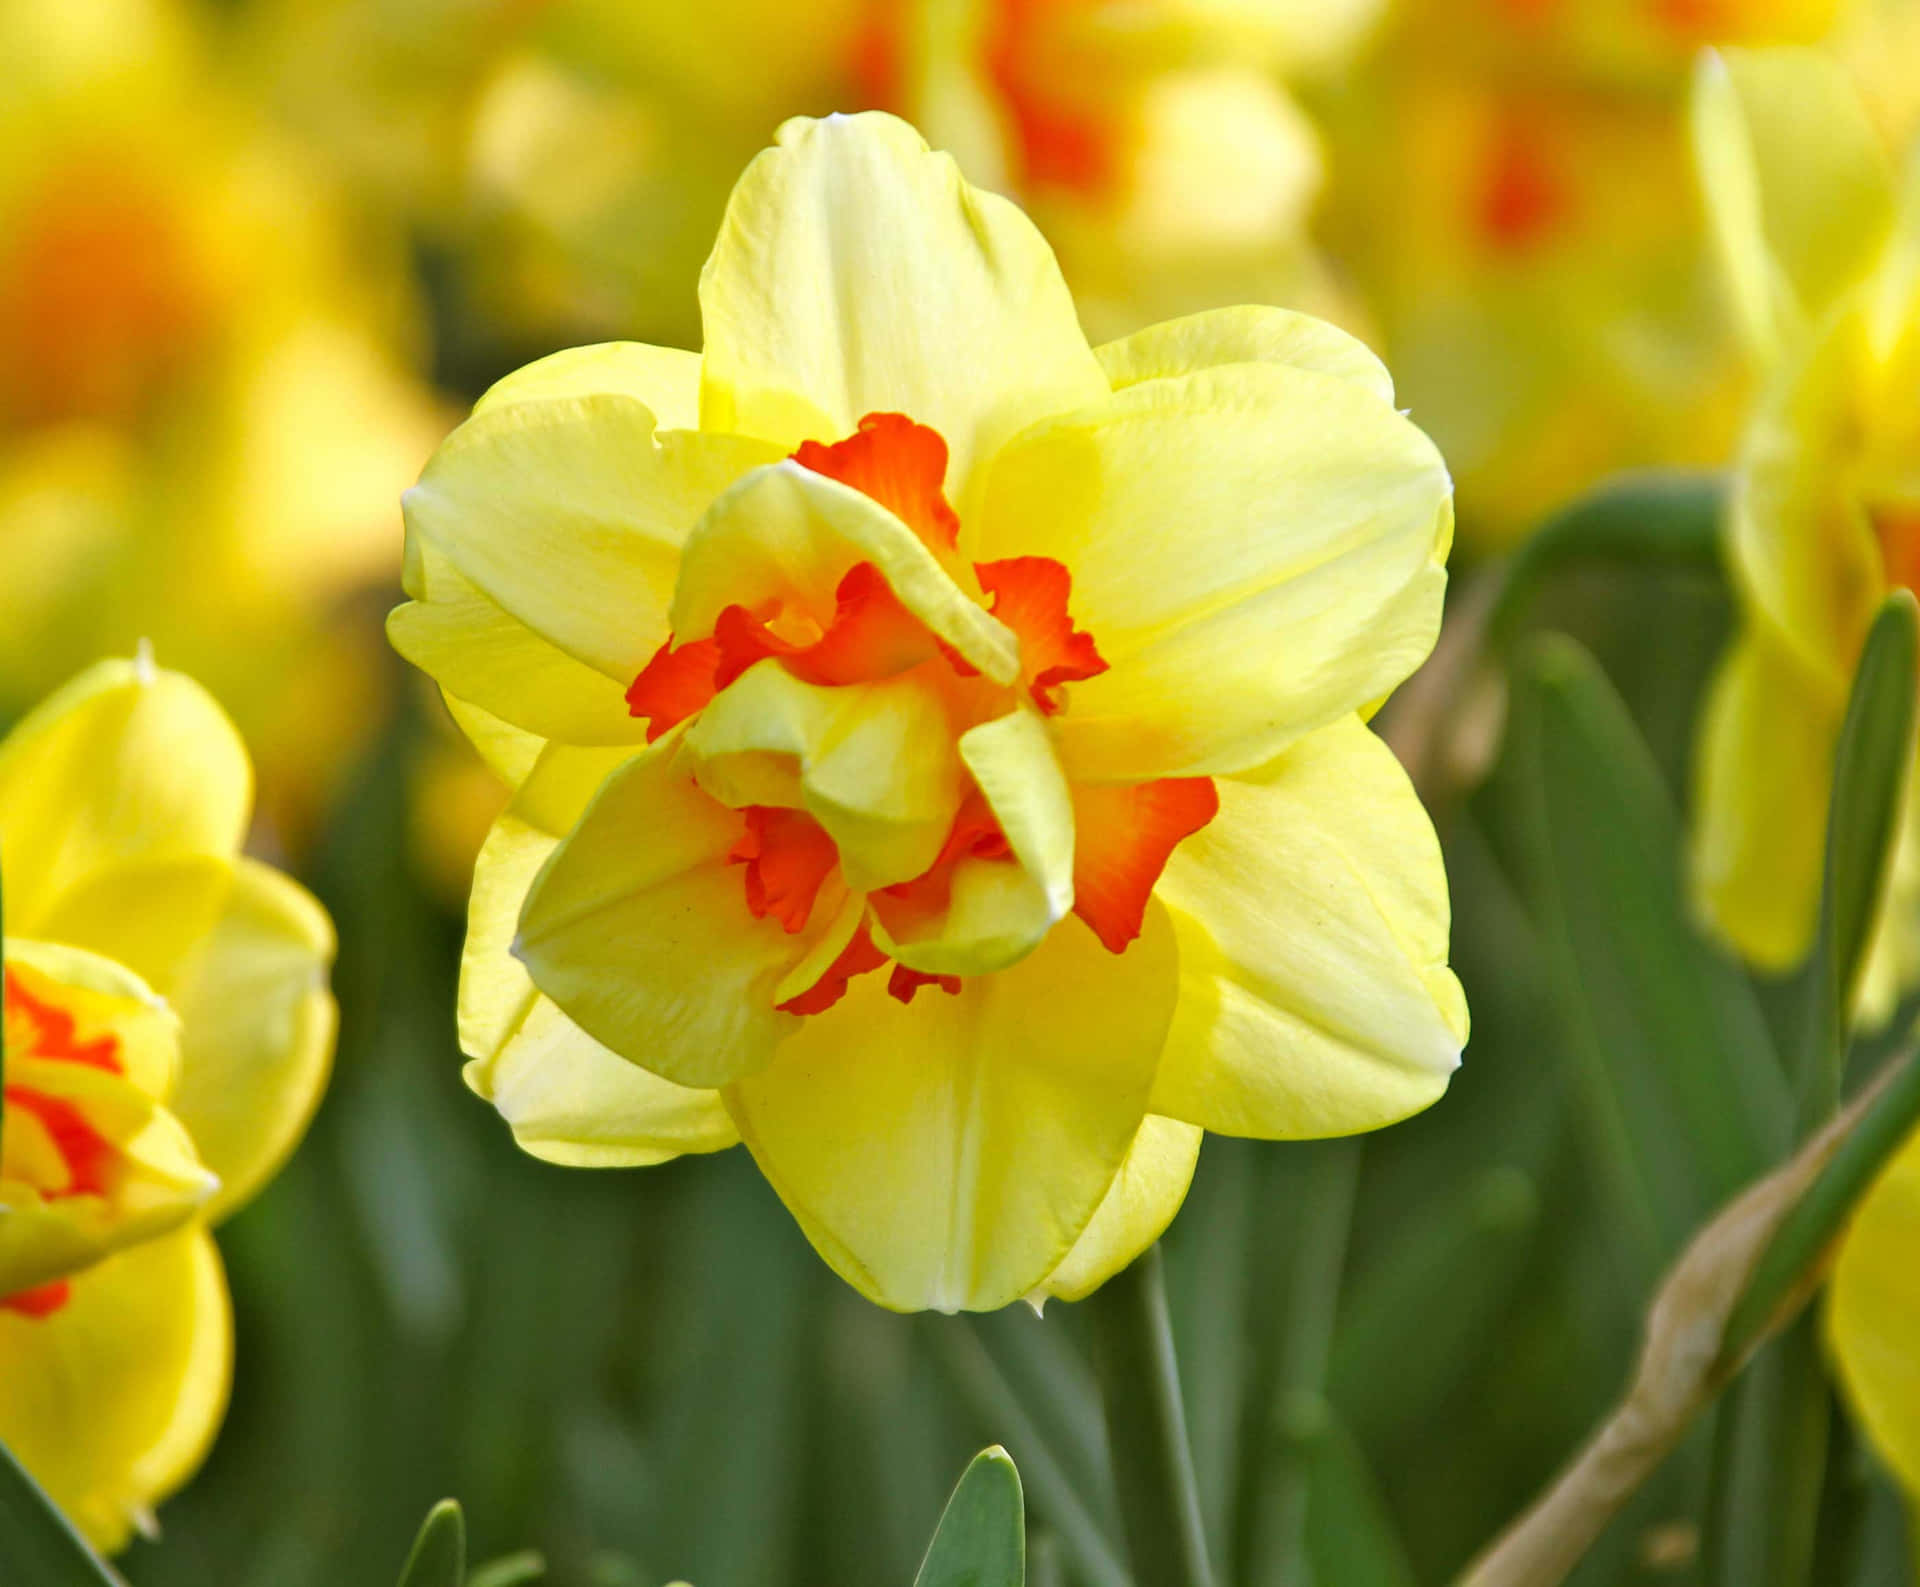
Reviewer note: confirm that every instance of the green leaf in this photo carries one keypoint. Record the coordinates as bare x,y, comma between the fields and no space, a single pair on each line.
38,1545
1870,766
439,1557
982,1537
512,1570
1682,1090
1665,517
1351,1538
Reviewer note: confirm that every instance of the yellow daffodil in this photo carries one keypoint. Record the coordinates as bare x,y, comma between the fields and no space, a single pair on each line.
939,747
168,1032
204,414
1823,263
1544,290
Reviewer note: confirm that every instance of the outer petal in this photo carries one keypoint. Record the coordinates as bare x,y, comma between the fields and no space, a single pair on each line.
1312,912
568,514
124,766
666,379
566,1098
113,1400
638,928
1258,550
1873,1314
858,273
258,1023
948,1153
1799,187
1763,775
1248,334
1146,1193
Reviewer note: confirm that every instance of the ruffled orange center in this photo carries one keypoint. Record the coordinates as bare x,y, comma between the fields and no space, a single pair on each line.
101,298
40,1029
1522,198
1123,833
1896,526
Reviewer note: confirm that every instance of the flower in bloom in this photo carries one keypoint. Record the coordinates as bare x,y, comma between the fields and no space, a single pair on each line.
168,1032
204,411
1544,292
1824,513
939,747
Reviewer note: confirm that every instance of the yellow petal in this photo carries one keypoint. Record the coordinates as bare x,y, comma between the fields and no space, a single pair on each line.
1799,187
146,915
948,1153
568,514
666,379
1248,334
1146,1193
1312,914
566,1098
258,1023
1761,814
126,765
510,752
112,1402
467,642
873,763
1873,1314
857,273
104,998
1015,768
1257,549
638,928
787,534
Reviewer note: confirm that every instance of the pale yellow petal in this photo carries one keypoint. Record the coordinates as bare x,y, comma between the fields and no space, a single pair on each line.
858,273
1146,1193
1257,549
258,1022
113,1401
1312,914
638,928
948,1153
1247,334
1873,1314
666,379
126,765
568,514
1761,807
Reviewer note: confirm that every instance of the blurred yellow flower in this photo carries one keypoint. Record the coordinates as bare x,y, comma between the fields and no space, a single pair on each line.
579,152
1543,290
1823,263
168,1032
837,666
205,418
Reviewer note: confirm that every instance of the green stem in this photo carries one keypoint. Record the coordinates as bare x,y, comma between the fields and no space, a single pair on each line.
1146,1428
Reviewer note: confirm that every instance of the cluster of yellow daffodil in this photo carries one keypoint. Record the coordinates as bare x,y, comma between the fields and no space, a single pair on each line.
168,1032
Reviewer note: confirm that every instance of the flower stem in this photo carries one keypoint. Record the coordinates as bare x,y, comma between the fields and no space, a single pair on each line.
1146,1428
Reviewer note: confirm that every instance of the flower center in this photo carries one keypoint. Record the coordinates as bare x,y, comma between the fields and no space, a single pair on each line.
46,1141
1896,526
790,862
1522,198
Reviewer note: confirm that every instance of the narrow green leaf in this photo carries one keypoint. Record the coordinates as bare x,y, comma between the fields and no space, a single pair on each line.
1792,1258
439,1557
1351,1538
1665,517
1683,1093
38,1545
982,1537
1870,767
512,1570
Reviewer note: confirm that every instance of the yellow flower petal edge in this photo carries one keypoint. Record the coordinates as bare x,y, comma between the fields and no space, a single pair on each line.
113,1401
947,759
1873,1314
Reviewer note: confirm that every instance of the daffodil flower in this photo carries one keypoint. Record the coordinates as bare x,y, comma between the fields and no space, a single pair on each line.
168,1032
939,747
1823,263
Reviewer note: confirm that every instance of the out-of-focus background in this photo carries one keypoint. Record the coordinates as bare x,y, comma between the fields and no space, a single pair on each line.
257,256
